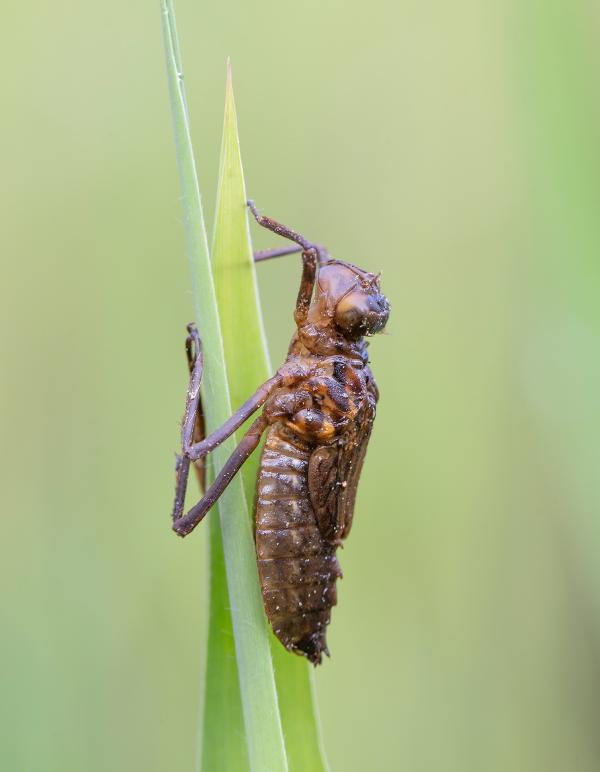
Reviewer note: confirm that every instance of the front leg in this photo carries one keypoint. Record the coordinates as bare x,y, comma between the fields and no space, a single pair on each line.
312,255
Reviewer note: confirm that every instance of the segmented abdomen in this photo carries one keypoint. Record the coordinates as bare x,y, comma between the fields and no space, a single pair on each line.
297,567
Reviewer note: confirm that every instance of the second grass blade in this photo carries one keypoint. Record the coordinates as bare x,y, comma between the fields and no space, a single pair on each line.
247,367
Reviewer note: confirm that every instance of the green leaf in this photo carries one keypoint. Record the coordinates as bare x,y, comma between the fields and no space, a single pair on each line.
262,724
248,367
223,738
298,708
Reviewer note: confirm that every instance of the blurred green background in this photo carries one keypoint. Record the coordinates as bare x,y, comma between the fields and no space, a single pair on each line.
455,147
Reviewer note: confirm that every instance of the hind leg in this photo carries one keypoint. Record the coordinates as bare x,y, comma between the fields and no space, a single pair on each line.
183,525
193,451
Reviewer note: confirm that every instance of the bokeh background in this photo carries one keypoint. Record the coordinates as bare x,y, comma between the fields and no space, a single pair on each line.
455,147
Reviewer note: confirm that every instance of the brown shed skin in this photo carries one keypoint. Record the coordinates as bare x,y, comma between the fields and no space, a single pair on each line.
317,412
319,428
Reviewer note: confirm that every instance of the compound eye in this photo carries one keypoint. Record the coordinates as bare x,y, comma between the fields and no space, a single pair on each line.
351,314
359,314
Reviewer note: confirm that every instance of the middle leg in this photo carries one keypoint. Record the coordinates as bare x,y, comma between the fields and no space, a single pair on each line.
268,254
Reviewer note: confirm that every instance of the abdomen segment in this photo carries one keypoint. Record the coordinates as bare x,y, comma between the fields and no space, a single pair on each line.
296,565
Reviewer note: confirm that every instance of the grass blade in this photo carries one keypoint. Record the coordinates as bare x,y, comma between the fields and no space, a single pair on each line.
262,723
223,735
298,707
247,367
223,738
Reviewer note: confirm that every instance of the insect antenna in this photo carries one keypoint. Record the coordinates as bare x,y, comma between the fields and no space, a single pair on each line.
375,279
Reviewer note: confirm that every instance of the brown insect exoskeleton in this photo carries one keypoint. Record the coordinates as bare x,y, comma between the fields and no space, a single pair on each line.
317,411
